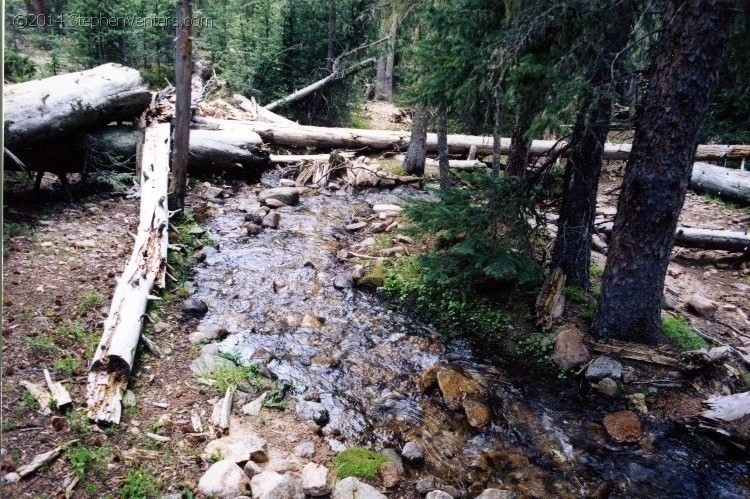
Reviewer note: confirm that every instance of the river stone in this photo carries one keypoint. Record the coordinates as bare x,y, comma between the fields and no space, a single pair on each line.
389,474
253,408
496,494
438,494
607,386
312,411
623,426
271,220
194,306
395,458
305,449
252,469
455,387
351,488
428,379
343,281
207,363
224,479
208,332
284,465
253,229
702,305
315,480
287,182
569,348
604,367
413,452
356,226
477,413
275,203
427,484
272,485
238,449
287,195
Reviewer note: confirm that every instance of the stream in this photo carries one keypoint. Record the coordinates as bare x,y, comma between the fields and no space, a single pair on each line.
274,292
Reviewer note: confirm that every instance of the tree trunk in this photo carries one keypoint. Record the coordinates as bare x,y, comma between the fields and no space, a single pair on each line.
572,251
390,60
39,110
497,124
442,146
381,81
518,153
113,361
657,174
181,140
415,154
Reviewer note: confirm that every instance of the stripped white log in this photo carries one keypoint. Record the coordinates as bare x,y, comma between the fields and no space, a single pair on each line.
726,182
40,394
112,364
728,407
222,410
42,459
689,237
260,113
298,158
456,164
59,394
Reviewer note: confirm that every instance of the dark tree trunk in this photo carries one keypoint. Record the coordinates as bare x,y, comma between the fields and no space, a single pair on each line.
390,60
518,155
497,123
181,137
684,75
415,154
381,82
572,252
442,145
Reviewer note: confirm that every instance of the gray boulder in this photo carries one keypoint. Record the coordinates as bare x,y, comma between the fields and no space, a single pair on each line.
351,488
287,195
604,367
224,479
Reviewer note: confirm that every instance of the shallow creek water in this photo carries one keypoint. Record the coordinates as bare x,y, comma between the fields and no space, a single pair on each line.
365,360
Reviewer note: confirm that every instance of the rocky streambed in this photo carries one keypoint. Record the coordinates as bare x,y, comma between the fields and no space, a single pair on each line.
282,287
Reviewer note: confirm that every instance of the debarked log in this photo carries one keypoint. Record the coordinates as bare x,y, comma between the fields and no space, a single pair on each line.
688,237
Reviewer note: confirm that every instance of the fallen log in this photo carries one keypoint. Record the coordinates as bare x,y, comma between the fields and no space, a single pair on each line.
260,113
298,158
36,463
112,364
727,408
42,396
550,303
634,351
213,149
688,237
455,164
60,395
726,182
39,110
381,140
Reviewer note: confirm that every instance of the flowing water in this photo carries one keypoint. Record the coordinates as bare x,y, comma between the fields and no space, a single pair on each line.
274,292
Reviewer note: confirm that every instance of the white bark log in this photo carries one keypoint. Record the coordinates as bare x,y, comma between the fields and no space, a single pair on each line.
455,164
726,182
38,110
59,394
42,396
299,158
727,408
260,113
210,149
111,367
689,237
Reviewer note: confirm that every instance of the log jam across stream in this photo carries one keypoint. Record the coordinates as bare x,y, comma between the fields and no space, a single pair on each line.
365,361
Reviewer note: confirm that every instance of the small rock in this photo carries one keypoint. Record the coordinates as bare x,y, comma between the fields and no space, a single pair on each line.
638,401
389,474
351,488
12,477
315,480
669,302
358,272
212,192
207,363
252,469
312,411
336,446
272,485
496,494
284,465
343,281
607,386
193,306
477,413
271,220
224,479
623,426
438,494
569,348
311,321
253,229
305,449
386,208
285,182
428,378
702,305
604,367
427,484
741,287
455,387
238,449
287,195
413,452
128,400
253,408
275,203
356,226
197,230
395,458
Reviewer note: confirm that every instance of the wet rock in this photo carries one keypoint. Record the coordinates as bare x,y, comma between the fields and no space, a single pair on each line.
477,413
285,182
496,494
287,195
356,226
607,386
312,411
623,426
413,452
395,458
251,469
428,379
212,192
343,281
194,306
315,480
438,494
224,479
358,272
253,408
454,387
305,449
311,321
275,203
271,220
604,367
206,364
238,449
702,305
351,488
389,474
427,484
569,348
208,332
253,229
272,485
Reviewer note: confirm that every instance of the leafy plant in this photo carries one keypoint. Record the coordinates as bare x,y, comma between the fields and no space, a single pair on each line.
42,345
139,484
681,334
358,462
84,459
67,365
89,301
596,271
79,423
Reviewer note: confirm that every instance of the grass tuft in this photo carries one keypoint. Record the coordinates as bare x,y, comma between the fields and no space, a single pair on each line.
358,462
139,484
681,334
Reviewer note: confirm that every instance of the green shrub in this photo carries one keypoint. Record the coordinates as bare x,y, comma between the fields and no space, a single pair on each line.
682,335
374,276
18,67
139,484
67,365
596,271
84,459
358,462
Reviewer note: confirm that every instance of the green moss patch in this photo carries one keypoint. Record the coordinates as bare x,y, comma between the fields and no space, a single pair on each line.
681,335
358,462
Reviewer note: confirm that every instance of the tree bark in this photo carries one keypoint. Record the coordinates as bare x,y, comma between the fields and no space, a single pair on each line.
497,123
417,151
390,60
442,145
113,361
181,139
381,81
518,153
39,110
657,174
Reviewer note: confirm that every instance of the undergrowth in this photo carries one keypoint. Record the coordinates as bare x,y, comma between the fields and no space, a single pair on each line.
358,462
681,334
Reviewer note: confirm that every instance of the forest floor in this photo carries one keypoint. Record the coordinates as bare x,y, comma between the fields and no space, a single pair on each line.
60,264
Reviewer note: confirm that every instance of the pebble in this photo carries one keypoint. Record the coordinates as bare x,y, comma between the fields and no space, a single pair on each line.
607,386
356,226
285,182
287,195
413,452
253,408
271,220
194,306
305,449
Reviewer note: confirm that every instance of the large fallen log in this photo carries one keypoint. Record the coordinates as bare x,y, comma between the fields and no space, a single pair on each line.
689,237
113,361
380,140
726,182
455,164
39,110
258,112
